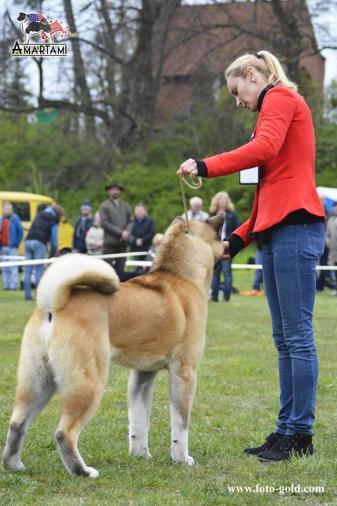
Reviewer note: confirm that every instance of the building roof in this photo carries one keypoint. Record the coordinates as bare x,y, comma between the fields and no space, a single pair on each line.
210,36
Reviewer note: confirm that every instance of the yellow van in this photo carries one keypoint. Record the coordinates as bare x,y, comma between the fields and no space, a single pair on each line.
25,206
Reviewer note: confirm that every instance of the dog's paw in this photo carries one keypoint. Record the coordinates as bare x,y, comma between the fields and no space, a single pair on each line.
13,466
140,452
138,447
188,461
92,472
145,454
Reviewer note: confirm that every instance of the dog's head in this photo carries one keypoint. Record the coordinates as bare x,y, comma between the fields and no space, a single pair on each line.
21,16
208,231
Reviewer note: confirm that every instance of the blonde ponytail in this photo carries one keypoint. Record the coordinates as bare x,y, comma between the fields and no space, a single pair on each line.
266,63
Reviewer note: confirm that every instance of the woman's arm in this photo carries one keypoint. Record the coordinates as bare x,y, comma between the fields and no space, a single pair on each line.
278,111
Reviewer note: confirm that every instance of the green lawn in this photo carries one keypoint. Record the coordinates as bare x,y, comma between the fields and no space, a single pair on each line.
235,405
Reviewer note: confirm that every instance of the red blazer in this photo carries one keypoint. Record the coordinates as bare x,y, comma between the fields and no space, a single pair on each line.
284,146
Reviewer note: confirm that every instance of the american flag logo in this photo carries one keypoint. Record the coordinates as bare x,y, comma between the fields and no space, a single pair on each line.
36,16
47,29
57,27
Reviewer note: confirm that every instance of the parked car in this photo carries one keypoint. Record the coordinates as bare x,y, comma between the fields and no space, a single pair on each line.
26,206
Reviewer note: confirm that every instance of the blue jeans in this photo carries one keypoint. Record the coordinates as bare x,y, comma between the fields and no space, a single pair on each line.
33,250
10,275
289,260
224,266
258,274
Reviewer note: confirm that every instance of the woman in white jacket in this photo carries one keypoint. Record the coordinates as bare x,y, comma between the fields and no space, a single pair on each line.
94,237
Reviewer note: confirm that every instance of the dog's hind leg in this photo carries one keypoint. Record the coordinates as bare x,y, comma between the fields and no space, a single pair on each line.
81,385
35,388
182,381
78,407
140,389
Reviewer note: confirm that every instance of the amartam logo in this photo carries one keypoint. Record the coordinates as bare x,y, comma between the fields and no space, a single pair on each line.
34,24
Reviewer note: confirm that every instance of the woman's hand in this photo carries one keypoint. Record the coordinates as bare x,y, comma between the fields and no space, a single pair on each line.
226,255
188,168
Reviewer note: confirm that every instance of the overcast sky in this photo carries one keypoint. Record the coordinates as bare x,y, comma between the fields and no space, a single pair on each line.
57,75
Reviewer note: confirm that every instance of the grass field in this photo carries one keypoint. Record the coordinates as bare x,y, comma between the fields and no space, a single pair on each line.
235,405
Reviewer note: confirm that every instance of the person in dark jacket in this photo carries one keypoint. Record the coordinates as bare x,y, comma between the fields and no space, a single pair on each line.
11,233
44,229
221,204
142,231
116,222
82,225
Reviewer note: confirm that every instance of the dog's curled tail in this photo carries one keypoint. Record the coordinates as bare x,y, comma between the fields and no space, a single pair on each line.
74,270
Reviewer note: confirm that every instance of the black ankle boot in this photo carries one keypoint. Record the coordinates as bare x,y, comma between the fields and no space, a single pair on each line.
273,438
298,444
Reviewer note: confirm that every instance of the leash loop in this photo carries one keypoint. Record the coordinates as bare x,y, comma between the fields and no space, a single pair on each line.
195,183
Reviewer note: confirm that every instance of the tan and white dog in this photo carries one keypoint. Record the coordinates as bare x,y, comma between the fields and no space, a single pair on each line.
84,318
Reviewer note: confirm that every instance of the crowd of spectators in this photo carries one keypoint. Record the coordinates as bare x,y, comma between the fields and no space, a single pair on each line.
114,229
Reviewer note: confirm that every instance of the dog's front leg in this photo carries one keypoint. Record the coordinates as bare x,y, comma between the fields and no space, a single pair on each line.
139,403
182,388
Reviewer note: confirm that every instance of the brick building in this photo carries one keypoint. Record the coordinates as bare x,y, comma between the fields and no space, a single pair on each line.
203,39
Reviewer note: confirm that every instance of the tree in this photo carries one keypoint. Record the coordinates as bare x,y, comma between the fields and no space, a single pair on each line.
118,65
82,91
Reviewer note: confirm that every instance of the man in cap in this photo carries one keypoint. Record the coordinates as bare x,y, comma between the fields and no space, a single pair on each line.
116,222
82,225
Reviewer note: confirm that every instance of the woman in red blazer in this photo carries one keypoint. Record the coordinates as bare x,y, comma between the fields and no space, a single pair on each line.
287,221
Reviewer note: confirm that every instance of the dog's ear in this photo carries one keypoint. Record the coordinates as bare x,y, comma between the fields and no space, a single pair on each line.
177,219
173,228
216,222
21,16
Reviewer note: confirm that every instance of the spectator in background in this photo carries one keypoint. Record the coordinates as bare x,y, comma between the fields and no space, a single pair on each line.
324,278
222,204
82,225
116,222
65,237
196,212
156,241
11,233
94,237
154,248
44,229
258,277
142,230
331,239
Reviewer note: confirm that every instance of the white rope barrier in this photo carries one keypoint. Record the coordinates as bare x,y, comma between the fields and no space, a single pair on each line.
259,266
40,261
138,263
132,263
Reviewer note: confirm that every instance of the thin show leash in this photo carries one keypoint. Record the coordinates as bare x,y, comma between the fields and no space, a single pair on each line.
195,183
